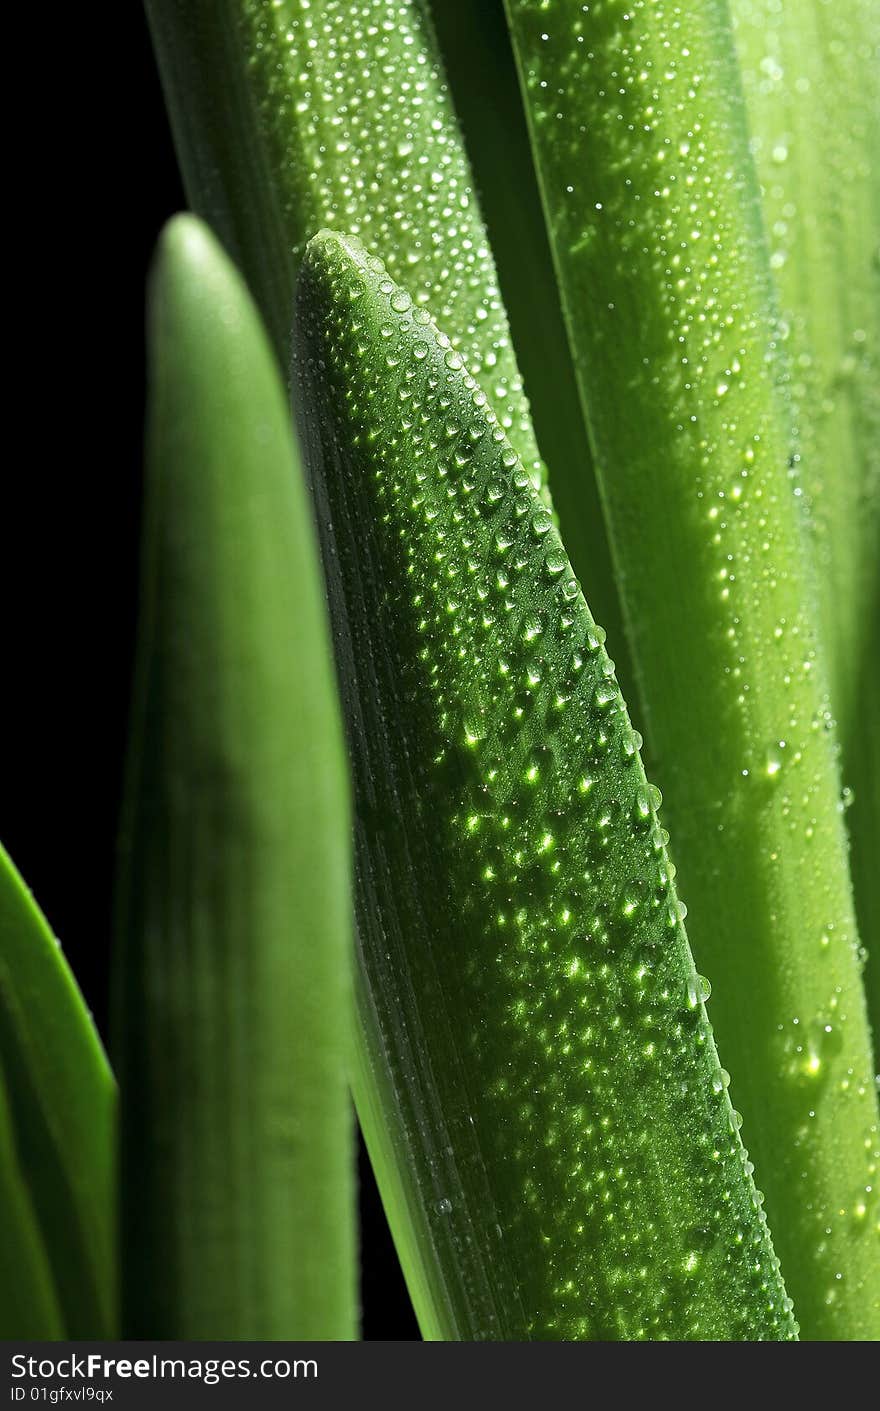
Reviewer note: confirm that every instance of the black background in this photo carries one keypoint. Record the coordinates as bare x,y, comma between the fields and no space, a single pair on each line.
90,179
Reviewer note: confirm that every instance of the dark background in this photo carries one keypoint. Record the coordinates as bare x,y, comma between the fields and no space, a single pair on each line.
90,178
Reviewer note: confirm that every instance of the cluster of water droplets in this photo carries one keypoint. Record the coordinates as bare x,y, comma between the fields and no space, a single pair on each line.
618,1177
355,109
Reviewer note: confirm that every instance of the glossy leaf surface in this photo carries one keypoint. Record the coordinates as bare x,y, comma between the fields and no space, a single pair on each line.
538,1082
641,142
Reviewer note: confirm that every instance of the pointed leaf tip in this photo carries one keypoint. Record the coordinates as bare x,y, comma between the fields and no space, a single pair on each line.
530,1015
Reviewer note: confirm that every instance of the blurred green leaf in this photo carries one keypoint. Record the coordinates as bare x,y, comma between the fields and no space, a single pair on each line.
57,1137
28,1304
810,73
641,144
537,1083
233,1019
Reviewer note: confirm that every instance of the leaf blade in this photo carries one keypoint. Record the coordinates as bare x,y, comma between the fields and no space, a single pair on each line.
28,1302
657,234
526,986
233,973
61,1105
481,69
810,88
293,152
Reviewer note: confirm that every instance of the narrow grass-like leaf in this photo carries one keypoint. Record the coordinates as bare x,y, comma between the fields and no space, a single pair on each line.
478,59
538,1083
28,1303
810,74
290,115
58,1132
233,997
641,143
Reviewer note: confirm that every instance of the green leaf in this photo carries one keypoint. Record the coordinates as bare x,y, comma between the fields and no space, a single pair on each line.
538,1083
289,117
57,1136
274,144
28,1303
810,79
641,144
233,1005
482,75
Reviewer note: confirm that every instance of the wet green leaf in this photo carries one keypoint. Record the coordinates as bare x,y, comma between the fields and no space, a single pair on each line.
641,143
482,75
537,1080
813,101
290,116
